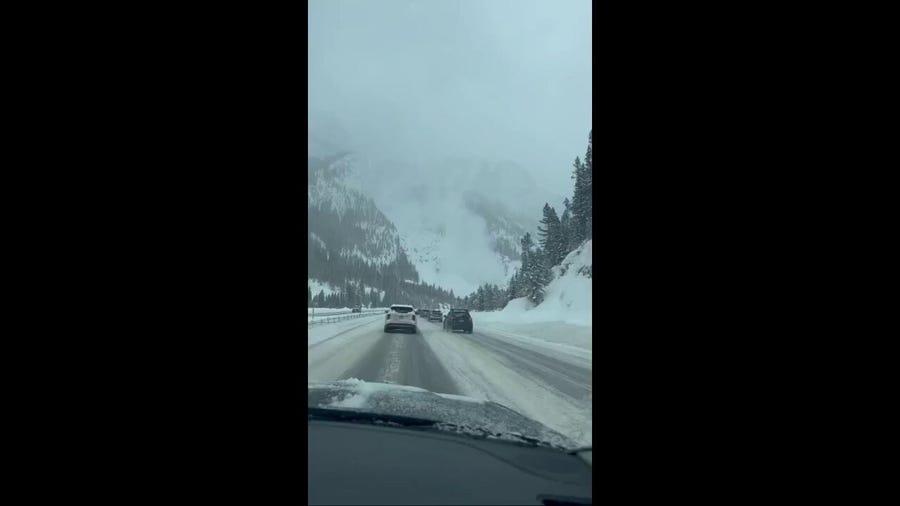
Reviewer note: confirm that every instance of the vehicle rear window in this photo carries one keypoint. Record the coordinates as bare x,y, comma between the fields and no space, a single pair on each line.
401,309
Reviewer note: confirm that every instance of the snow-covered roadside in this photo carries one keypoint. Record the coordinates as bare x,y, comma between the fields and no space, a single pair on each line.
334,348
486,376
567,298
339,314
319,333
331,311
556,338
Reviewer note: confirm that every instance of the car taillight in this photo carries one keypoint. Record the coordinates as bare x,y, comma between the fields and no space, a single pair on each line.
414,317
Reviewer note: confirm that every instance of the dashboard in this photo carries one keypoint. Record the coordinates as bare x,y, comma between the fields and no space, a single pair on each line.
371,464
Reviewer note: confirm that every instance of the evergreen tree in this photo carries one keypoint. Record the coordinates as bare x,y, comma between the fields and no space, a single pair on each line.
537,277
512,290
565,225
489,300
551,237
526,244
588,183
580,203
360,293
545,233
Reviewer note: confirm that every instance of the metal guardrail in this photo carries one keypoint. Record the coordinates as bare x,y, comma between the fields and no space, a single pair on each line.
331,318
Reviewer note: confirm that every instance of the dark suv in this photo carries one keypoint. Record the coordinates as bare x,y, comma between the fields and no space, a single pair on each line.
458,319
435,315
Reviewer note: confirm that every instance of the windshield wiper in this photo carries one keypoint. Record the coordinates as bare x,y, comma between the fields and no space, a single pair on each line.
482,433
344,415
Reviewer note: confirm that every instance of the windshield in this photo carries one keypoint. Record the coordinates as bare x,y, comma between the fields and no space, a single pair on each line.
450,211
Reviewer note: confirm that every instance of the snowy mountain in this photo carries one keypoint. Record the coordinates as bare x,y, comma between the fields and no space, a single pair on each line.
342,219
355,252
458,219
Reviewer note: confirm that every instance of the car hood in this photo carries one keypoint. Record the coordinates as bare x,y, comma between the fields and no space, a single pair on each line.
460,413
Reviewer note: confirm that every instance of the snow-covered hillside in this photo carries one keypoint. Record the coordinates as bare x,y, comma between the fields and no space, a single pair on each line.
459,220
460,227
566,299
344,219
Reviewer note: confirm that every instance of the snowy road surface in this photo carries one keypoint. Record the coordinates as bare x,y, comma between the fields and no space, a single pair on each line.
547,382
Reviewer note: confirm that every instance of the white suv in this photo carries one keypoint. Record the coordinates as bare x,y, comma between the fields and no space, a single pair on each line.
401,316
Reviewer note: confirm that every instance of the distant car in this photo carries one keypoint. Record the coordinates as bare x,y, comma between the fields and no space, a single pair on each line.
356,309
458,319
401,317
422,312
435,315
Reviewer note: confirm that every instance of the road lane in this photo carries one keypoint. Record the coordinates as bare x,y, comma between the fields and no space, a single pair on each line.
555,391
570,379
553,388
370,354
404,359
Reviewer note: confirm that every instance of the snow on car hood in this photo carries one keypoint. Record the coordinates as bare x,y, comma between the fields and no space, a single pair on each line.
401,400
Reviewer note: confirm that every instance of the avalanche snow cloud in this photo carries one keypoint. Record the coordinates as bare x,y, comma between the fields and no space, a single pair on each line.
456,232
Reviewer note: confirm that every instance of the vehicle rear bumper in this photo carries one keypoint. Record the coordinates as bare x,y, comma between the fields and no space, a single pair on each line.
410,326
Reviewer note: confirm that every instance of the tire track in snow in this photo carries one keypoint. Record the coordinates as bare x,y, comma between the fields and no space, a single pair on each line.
403,359
485,373
566,377
391,371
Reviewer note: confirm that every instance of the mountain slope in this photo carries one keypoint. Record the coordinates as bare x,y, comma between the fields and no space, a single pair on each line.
354,251
453,218
459,219
344,220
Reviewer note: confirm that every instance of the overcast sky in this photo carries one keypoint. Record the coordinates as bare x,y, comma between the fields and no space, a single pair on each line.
419,79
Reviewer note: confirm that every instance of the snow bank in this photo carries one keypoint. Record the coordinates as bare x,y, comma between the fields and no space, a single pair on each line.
328,311
567,298
487,376
318,333
547,337
322,311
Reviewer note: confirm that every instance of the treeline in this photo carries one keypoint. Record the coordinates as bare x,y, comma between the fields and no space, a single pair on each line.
362,227
336,267
351,293
487,297
557,236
